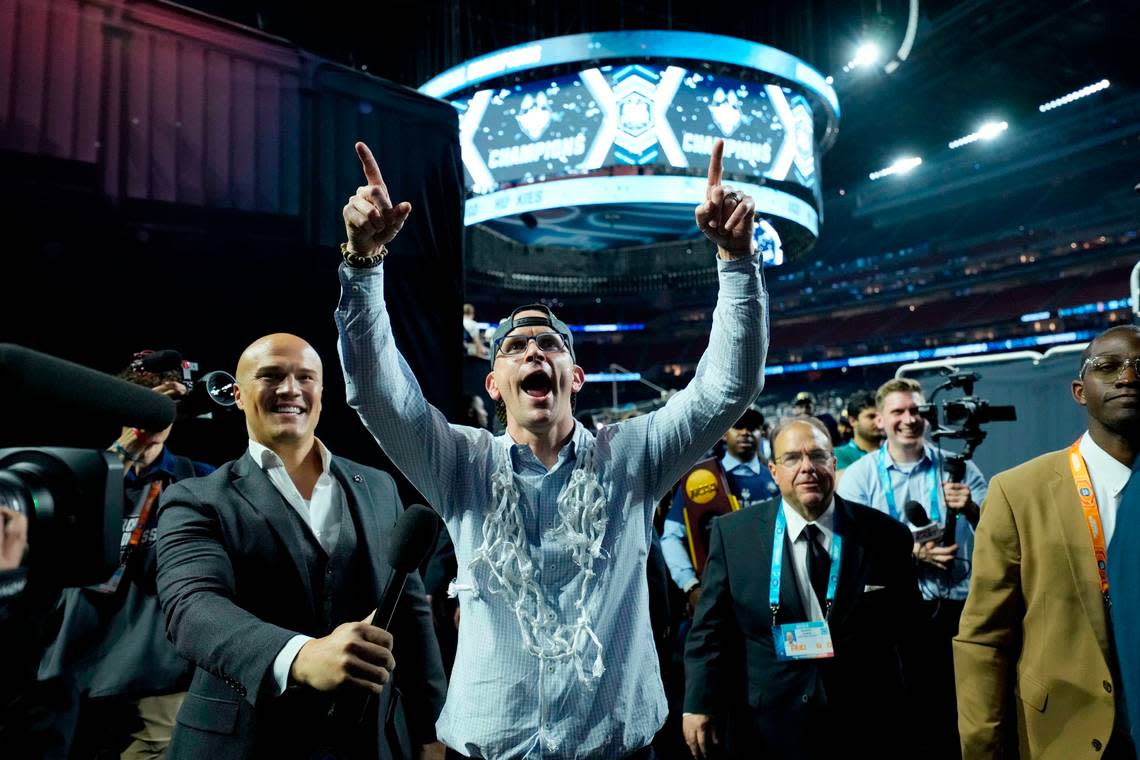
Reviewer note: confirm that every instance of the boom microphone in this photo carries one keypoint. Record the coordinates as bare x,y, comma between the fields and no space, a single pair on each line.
922,528
30,377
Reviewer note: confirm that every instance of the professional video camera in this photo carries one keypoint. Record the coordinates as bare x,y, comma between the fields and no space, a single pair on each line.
72,498
206,393
964,417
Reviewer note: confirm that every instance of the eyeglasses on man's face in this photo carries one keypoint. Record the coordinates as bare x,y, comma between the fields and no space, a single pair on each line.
1110,367
792,459
547,342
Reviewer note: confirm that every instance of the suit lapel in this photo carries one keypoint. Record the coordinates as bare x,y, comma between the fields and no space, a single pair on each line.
366,514
852,563
1078,547
263,497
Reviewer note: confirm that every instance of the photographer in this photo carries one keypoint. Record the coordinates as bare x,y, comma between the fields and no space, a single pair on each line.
907,468
111,679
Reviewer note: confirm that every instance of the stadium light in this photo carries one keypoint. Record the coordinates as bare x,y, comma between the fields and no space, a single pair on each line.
987,131
865,55
901,166
1065,100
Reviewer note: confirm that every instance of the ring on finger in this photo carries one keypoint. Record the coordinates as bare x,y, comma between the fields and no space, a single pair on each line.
735,196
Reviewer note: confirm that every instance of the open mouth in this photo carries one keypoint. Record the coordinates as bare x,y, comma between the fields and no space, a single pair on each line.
536,385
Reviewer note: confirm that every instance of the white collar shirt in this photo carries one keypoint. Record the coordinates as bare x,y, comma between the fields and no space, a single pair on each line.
321,512
799,538
1109,477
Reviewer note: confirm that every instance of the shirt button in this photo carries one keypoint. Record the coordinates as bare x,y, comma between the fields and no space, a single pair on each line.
1107,687
804,698
1096,744
355,288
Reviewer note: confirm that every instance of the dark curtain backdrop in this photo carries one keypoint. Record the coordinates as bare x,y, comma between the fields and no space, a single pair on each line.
187,195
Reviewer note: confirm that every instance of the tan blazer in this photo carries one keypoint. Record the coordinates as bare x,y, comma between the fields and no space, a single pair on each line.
1031,656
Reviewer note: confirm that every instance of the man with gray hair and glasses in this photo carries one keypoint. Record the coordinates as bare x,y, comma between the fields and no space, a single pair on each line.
551,525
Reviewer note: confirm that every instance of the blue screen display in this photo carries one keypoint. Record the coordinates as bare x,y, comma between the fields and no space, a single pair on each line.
663,118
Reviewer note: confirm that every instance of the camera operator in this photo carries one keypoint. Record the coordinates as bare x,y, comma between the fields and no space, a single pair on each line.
1035,658
907,468
113,680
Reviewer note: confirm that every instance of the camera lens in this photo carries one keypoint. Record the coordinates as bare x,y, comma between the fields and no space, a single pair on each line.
14,496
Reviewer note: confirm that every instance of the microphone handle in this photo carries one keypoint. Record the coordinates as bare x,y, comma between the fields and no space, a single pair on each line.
949,535
349,708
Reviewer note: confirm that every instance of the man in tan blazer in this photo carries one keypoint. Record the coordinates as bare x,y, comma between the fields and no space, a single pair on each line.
1034,659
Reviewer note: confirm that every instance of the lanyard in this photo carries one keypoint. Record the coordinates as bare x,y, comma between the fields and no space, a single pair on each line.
1092,515
144,516
889,489
778,566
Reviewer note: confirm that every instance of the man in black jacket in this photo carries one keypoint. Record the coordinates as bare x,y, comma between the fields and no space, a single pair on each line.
797,652
268,572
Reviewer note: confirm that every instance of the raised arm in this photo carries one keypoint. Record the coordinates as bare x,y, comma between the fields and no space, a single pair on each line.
730,374
379,383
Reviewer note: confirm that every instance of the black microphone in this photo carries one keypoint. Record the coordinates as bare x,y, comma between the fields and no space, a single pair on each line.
30,377
409,543
161,361
922,528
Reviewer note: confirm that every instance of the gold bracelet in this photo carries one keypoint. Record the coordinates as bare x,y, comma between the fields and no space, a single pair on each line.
359,261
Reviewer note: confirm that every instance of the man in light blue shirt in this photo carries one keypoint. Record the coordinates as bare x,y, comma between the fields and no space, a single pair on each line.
748,479
908,468
551,525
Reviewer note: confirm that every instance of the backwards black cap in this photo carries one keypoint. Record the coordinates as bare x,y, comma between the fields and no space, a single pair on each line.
549,320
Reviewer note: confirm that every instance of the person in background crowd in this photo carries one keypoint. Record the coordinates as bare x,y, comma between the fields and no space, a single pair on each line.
750,482
804,405
909,469
472,339
1035,657
867,432
119,679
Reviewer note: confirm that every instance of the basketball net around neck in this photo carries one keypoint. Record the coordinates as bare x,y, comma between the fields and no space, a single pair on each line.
509,559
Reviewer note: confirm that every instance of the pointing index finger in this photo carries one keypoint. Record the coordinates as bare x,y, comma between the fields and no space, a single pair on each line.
368,162
715,165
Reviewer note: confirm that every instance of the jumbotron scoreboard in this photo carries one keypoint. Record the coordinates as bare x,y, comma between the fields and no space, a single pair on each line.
600,141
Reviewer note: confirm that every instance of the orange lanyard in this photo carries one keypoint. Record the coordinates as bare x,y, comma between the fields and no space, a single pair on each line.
144,516
1092,515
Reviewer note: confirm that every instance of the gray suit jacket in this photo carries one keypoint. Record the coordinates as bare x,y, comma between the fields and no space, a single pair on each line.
234,590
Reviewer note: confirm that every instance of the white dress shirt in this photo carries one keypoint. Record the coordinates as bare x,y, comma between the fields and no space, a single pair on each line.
1109,477
321,513
798,537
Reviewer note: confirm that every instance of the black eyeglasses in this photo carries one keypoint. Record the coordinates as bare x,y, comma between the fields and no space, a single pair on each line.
547,342
1110,366
792,459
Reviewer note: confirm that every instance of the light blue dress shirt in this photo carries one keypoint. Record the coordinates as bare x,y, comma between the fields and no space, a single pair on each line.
912,482
505,702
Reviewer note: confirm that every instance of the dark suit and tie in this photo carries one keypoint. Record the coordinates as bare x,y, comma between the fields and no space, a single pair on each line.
244,574
771,708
